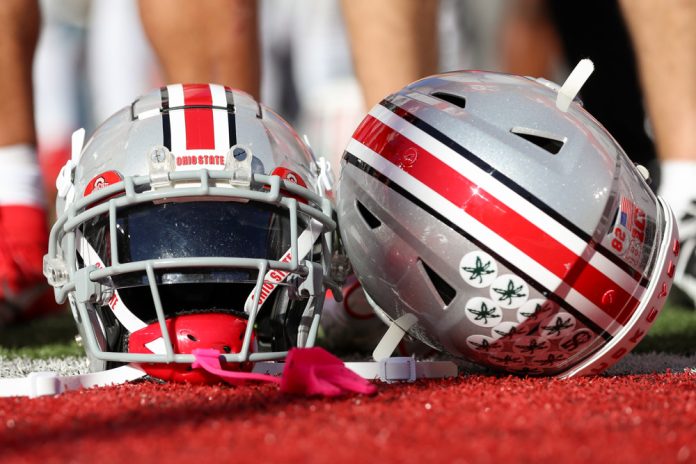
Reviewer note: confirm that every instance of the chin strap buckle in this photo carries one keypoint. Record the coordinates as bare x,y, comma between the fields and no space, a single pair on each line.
43,384
397,369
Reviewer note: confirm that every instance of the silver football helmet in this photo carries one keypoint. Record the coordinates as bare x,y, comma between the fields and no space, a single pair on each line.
496,210
191,219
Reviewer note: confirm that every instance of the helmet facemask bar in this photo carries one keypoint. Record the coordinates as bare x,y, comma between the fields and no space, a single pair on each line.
84,287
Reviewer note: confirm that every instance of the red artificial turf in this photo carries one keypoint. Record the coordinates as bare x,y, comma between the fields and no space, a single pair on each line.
477,419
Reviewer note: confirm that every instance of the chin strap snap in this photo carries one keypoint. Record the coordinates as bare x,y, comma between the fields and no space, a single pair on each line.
403,369
399,369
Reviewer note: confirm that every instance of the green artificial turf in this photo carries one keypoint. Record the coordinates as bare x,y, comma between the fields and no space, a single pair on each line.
674,331
42,338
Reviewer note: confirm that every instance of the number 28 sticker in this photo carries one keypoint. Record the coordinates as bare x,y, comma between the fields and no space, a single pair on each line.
620,241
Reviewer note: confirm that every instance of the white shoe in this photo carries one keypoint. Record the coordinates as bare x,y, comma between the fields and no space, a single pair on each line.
684,289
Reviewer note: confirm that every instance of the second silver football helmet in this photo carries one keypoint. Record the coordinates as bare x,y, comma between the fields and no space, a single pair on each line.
508,221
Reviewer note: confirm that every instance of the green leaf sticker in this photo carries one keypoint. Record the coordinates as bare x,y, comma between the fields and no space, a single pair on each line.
478,269
483,312
509,291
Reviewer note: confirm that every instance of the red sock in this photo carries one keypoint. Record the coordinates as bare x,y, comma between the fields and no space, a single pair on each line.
24,230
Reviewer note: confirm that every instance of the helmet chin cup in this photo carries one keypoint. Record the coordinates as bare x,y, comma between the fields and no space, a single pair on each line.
188,332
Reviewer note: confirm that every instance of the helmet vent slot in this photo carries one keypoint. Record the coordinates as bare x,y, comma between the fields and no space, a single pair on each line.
370,219
541,139
445,290
456,100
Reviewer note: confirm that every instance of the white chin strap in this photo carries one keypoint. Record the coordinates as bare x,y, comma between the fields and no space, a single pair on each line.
387,370
130,321
391,369
384,368
274,277
571,87
50,383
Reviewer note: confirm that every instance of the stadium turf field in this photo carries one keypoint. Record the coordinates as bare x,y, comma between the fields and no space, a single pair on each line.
674,332
642,411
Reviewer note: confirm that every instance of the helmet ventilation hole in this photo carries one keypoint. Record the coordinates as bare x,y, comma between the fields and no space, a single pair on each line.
546,141
456,100
369,218
445,290
191,337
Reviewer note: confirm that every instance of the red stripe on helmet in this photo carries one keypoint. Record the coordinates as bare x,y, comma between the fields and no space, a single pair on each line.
200,132
509,224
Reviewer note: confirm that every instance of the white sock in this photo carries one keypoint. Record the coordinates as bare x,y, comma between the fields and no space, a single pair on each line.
678,185
20,176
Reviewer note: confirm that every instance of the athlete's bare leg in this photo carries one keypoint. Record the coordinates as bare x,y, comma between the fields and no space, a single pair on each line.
19,32
23,224
394,42
205,40
664,37
529,43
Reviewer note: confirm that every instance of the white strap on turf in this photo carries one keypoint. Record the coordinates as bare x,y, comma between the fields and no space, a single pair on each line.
50,383
393,336
387,370
571,87
403,369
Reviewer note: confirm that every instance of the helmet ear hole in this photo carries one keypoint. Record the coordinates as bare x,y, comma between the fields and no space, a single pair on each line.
370,219
443,289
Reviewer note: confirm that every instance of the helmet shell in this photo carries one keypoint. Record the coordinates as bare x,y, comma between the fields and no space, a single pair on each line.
190,202
198,123
520,235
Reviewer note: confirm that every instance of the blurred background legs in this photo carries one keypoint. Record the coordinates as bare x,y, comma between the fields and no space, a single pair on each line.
23,225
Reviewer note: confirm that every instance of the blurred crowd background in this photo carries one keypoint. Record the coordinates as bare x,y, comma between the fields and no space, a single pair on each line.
94,58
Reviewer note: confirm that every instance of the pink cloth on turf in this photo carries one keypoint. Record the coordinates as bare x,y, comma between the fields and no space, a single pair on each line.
307,371
315,371
208,359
